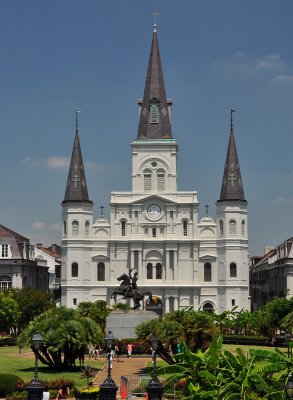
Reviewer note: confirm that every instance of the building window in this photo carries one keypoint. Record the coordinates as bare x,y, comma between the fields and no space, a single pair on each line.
233,270
171,258
74,270
123,228
154,232
171,214
171,304
57,271
149,271
161,181
159,271
185,226
87,228
208,307
101,271
75,228
64,228
207,272
5,283
243,227
74,302
4,250
233,302
147,182
154,111
232,227
221,227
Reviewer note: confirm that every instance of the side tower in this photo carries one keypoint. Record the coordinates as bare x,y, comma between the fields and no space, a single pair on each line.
77,219
232,233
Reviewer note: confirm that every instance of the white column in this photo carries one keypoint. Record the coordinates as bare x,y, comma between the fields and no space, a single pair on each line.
167,266
131,258
175,266
176,303
167,304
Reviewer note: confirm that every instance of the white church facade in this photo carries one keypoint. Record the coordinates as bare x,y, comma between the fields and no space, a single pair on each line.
183,260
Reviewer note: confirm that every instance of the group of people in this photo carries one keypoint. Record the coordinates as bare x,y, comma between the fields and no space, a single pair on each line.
63,393
94,352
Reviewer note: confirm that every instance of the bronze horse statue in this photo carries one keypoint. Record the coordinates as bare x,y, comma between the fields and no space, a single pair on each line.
127,291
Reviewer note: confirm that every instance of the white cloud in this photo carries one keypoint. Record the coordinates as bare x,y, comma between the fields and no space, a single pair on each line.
30,162
283,79
94,166
283,200
241,61
39,225
55,162
55,227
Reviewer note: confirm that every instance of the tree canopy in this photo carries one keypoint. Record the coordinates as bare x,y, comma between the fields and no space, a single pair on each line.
66,334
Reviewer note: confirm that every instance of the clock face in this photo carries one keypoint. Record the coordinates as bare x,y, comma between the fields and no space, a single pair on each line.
154,211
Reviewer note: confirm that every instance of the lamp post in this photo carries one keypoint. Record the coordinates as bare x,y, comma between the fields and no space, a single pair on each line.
154,387
35,388
108,388
288,340
289,387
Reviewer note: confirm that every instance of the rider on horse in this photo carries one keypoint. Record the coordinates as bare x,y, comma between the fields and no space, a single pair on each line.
133,286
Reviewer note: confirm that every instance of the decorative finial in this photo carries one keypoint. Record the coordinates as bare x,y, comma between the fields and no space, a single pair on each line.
207,209
155,13
231,118
102,211
76,119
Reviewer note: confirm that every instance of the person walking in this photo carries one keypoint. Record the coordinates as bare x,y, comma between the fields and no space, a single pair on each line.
129,350
46,393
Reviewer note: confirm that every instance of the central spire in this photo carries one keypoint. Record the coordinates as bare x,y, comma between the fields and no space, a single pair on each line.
154,122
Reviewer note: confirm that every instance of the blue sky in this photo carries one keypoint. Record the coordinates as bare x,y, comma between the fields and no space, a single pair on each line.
58,55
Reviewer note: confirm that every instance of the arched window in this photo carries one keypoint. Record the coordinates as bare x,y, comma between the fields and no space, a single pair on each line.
233,270
154,232
161,180
123,228
221,227
74,270
87,228
147,180
185,228
64,228
207,272
75,228
101,271
159,271
208,307
232,227
149,271
243,227
5,282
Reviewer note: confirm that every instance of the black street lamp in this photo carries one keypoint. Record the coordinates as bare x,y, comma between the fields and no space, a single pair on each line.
288,340
289,387
36,388
154,387
108,388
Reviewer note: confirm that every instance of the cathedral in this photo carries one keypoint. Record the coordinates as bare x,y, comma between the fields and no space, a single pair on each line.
154,229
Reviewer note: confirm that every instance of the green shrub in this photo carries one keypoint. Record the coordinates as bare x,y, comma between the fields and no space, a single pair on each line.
8,384
19,395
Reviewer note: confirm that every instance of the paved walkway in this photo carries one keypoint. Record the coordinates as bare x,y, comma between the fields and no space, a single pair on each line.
126,366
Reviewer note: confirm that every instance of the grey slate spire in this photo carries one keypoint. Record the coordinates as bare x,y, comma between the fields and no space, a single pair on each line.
154,120
76,188
232,188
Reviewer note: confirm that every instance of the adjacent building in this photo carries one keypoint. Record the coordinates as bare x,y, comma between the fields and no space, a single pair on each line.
271,276
18,267
182,258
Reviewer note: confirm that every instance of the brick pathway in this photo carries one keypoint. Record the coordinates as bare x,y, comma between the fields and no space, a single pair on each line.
126,366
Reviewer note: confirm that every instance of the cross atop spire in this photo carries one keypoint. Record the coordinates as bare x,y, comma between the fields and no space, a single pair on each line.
207,209
155,13
76,119
231,118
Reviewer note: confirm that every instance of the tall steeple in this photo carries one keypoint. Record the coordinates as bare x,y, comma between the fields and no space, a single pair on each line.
76,188
232,188
154,122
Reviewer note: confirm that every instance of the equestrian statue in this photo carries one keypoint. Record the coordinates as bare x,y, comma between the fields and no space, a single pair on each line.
128,289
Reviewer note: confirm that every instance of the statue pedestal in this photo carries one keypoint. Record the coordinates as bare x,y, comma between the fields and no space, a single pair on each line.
123,323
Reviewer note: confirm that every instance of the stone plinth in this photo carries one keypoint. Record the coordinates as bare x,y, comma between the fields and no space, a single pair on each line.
123,323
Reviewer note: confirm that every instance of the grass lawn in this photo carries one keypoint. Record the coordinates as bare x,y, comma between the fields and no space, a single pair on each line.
24,365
